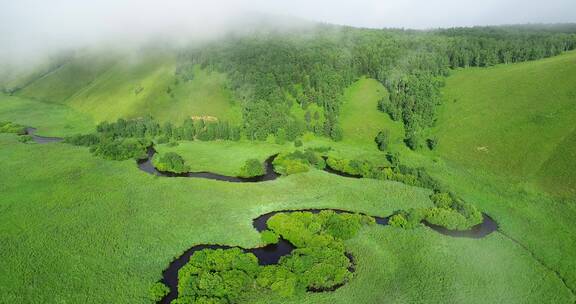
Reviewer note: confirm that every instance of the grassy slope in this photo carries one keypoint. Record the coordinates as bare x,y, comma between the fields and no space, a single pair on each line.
542,223
512,120
82,229
110,88
360,119
52,119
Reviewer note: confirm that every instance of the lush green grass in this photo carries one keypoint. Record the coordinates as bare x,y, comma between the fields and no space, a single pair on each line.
360,118
421,266
505,105
223,157
513,121
50,119
82,229
112,87
100,231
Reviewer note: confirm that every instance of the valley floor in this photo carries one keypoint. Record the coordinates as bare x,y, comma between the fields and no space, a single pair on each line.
75,228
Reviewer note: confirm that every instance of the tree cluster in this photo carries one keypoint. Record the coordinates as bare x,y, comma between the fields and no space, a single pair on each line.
170,162
252,167
288,163
126,139
271,73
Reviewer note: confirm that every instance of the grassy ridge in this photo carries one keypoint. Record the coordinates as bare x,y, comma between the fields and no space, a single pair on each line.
512,120
108,88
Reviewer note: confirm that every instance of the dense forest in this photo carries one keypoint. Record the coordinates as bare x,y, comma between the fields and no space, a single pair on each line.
271,73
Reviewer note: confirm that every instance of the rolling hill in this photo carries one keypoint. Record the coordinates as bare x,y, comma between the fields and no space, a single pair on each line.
108,87
515,121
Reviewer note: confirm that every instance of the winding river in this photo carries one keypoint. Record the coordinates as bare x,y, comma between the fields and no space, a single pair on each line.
270,254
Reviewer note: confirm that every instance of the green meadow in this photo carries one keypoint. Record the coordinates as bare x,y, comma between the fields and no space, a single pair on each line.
76,228
514,121
100,231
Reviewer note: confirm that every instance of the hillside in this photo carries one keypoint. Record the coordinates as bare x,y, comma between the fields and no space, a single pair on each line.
110,87
515,121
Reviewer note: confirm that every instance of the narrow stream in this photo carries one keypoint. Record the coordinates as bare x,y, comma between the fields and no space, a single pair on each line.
42,139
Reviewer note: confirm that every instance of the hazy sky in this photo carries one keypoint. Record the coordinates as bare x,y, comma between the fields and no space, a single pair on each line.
31,25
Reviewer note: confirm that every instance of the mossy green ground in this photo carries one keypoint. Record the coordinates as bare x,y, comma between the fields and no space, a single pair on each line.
79,229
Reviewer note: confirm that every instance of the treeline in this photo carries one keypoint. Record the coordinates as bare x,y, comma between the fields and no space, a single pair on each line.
190,129
271,73
125,139
298,161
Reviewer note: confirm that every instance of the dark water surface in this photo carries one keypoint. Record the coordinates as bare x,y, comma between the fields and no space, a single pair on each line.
42,139
481,230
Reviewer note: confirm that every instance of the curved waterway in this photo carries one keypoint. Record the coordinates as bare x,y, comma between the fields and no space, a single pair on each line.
147,166
42,139
271,254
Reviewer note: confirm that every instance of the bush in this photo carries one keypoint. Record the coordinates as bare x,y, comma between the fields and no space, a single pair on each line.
298,162
382,140
298,143
279,279
217,276
10,127
158,291
432,143
398,220
447,218
121,149
170,162
251,168
87,140
442,200
269,237
318,263
25,138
